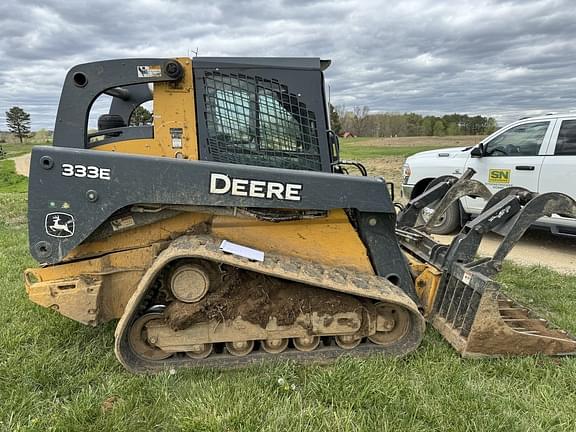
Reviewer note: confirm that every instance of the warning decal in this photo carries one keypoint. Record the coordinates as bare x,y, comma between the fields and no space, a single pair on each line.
153,71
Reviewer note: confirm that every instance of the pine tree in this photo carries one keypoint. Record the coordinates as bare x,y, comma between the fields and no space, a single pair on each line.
18,122
335,124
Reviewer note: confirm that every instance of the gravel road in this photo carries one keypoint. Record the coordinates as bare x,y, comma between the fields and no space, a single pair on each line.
22,164
537,247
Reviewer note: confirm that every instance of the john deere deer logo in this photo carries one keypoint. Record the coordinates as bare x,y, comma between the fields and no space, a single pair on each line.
60,225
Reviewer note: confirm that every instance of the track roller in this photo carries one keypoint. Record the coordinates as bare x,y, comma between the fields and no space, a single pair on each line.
275,346
200,351
240,348
347,341
189,283
306,344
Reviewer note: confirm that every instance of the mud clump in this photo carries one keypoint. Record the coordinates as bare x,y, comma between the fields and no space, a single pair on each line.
256,298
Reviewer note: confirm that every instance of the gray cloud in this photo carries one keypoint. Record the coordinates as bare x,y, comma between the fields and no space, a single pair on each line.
507,59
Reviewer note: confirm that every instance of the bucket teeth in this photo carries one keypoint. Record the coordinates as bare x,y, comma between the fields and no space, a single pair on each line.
498,326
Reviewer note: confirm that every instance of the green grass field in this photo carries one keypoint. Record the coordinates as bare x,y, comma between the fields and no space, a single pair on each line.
363,148
9,180
356,151
56,374
13,150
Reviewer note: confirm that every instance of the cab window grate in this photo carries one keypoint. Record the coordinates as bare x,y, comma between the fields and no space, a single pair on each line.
257,121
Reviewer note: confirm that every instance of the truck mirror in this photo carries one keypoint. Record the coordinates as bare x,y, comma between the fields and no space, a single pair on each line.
478,151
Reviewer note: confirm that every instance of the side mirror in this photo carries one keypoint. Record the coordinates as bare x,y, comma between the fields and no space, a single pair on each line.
477,152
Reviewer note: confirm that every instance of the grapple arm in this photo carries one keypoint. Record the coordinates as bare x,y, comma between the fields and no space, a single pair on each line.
456,288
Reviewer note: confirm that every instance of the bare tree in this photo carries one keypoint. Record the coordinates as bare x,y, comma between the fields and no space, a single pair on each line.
360,120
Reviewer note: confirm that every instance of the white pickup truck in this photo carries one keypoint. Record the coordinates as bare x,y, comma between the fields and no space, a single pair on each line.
536,153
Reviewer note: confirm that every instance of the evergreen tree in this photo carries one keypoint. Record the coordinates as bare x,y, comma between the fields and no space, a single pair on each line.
18,122
335,124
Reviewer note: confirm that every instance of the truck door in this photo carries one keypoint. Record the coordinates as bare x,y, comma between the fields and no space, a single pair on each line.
512,158
559,166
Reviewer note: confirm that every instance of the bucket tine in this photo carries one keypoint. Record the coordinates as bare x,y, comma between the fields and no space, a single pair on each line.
480,321
461,188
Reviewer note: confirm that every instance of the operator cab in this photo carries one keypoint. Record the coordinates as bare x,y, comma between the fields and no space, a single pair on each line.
252,111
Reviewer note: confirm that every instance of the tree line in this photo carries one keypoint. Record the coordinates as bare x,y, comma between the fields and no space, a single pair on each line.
360,122
18,121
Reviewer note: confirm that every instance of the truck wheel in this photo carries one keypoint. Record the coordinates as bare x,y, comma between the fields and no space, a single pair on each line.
449,222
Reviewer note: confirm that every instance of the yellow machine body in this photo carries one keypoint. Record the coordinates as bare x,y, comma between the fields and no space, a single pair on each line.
118,262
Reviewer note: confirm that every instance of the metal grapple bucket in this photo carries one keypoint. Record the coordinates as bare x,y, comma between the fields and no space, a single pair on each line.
459,296
478,319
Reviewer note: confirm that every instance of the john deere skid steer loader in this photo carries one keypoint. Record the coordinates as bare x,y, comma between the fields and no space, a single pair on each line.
228,231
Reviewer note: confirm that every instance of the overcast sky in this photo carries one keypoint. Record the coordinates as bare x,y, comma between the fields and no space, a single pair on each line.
506,59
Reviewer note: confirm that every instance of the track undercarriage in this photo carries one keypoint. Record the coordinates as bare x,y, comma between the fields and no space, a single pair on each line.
206,308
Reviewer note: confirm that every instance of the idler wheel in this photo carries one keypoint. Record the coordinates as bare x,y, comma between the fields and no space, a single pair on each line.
138,339
392,324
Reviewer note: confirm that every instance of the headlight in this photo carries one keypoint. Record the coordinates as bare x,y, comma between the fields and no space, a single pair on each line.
406,171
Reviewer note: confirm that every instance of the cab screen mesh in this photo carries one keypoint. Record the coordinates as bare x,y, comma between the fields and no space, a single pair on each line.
255,121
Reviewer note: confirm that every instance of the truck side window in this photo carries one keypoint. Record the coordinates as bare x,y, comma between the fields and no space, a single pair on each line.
566,144
521,140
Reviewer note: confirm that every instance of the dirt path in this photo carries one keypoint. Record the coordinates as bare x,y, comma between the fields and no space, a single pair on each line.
535,248
22,164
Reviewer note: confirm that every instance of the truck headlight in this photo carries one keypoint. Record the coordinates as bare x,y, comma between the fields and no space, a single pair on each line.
406,171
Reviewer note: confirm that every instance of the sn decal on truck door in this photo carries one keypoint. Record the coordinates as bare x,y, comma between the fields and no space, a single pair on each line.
499,176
